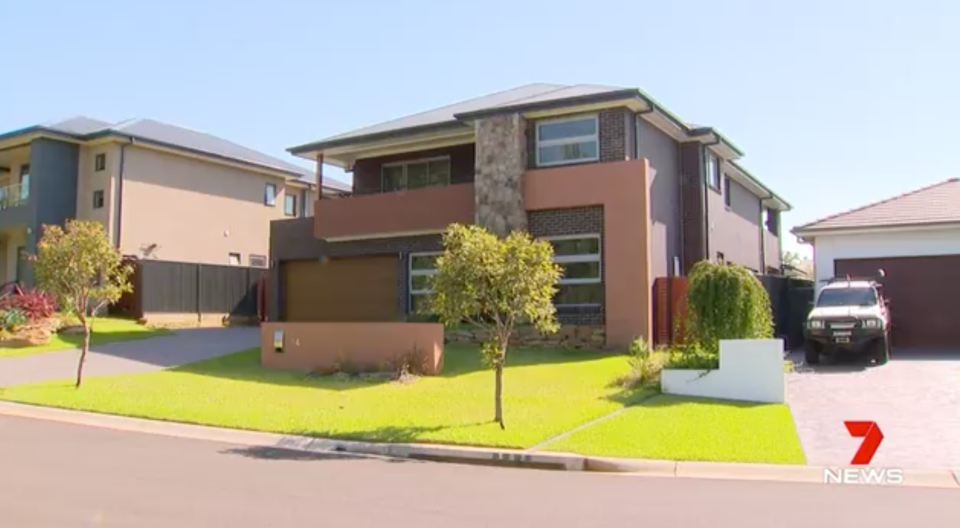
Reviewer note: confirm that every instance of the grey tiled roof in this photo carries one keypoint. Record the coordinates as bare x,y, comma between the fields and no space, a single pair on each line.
530,93
935,204
185,138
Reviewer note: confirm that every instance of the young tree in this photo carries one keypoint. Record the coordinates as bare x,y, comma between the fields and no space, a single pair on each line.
726,301
82,270
495,284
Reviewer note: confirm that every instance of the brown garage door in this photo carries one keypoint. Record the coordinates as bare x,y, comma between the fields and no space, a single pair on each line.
347,289
924,295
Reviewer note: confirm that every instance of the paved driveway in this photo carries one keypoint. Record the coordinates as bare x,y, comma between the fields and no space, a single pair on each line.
145,355
915,399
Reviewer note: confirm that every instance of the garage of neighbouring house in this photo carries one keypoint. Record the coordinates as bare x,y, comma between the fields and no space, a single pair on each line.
341,289
915,239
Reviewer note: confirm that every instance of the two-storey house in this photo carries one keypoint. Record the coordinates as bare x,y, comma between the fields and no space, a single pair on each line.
625,191
161,191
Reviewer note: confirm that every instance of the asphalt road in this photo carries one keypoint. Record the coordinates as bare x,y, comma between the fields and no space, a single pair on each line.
54,474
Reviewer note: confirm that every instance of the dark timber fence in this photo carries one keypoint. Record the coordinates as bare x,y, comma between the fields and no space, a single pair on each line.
791,300
182,287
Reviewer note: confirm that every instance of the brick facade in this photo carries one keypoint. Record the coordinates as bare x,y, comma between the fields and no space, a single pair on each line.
613,134
573,221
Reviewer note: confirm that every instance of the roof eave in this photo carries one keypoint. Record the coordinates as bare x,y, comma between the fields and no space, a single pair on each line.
808,232
317,146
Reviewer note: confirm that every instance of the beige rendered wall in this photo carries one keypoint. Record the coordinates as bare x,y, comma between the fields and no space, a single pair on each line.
90,180
183,209
374,346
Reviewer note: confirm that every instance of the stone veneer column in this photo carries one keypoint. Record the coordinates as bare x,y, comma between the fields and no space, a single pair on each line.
500,163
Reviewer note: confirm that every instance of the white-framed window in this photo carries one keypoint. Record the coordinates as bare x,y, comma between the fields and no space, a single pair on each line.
421,266
270,194
579,256
568,140
257,261
712,170
233,259
290,204
415,174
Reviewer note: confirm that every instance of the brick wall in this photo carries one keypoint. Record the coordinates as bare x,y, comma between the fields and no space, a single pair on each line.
613,136
573,221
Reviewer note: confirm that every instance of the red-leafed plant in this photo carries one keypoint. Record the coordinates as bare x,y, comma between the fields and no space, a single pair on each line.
35,304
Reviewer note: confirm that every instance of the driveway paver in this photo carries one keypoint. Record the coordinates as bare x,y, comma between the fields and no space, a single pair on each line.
915,400
145,355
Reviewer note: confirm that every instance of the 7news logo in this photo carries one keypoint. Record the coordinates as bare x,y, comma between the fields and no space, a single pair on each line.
872,437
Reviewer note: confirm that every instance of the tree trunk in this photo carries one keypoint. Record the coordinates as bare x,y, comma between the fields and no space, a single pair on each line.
498,395
83,350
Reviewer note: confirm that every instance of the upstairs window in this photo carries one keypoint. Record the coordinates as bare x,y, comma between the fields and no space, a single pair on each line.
98,199
100,162
290,204
568,140
270,195
415,174
579,256
727,200
712,170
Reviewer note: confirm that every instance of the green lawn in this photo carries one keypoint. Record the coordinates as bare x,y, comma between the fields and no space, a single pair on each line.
545,393
105,330
679,428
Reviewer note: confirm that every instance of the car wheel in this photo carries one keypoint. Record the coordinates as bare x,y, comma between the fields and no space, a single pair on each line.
882,351
811,355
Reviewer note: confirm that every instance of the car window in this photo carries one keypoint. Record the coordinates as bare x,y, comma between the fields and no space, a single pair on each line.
847,297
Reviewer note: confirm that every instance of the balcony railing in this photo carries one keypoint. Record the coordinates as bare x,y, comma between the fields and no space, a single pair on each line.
13,195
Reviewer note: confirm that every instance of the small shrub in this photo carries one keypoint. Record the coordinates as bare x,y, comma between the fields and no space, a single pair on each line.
36,305
725,301
645,366
11,318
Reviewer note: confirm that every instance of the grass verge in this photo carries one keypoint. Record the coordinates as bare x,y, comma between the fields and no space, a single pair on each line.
679,428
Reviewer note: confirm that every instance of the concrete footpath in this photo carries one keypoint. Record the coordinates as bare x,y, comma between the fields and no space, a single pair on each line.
939,478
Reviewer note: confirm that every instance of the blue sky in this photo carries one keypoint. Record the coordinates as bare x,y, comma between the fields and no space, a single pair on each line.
835,103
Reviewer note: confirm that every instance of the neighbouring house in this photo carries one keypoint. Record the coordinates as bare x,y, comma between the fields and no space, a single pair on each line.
625,190
161,191
915,239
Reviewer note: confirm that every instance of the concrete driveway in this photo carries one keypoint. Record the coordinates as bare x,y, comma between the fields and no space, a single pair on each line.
145,355
915,400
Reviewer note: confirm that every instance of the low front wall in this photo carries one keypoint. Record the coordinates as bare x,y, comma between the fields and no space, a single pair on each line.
750,370
324,347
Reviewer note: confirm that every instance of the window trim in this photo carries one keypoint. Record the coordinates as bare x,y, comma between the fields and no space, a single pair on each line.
97,159
265,201
286,198
103,198
239,259
417,161
411,273
570,259
538,143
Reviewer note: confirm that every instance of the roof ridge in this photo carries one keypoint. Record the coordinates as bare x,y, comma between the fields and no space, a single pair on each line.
876,203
